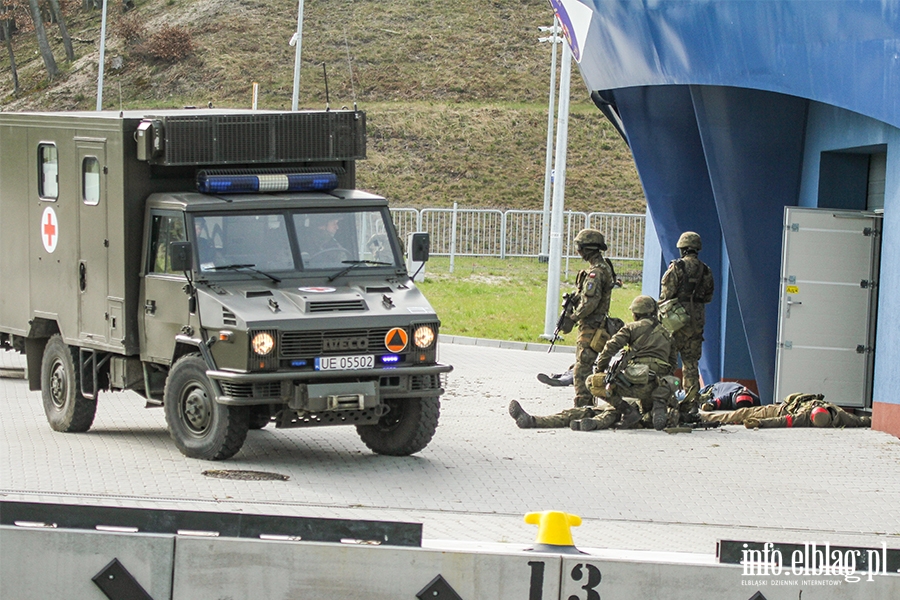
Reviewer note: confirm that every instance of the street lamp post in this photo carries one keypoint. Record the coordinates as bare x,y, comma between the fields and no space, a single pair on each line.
297,42
554,264
554,39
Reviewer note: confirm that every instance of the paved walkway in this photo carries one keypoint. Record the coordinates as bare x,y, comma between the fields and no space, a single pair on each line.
635,490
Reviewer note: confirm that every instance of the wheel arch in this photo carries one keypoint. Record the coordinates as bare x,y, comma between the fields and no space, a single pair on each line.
39,332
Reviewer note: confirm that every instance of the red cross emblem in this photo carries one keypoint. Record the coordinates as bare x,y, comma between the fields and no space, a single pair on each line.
49,229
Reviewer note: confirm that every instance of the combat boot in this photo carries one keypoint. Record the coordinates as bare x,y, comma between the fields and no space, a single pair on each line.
523,419
630,416
582,425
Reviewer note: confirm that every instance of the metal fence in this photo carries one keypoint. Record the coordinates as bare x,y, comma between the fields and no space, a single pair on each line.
515,233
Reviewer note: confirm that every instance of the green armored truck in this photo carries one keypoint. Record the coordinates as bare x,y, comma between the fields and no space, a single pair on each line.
219,263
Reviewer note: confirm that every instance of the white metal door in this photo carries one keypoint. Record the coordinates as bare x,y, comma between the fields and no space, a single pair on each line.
826,324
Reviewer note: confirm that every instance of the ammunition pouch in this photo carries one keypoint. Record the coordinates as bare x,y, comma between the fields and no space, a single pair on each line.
597,385
673,315
636,374
599,339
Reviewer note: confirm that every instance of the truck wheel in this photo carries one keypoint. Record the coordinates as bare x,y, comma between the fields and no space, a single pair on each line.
405,429
67,410
259,416
200,426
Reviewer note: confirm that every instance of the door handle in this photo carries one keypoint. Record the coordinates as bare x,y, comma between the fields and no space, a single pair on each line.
791,302
150,307
82,276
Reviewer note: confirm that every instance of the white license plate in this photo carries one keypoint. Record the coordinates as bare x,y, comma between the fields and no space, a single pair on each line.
345,363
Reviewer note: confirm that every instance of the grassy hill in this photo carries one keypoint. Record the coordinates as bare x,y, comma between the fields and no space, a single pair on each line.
455,92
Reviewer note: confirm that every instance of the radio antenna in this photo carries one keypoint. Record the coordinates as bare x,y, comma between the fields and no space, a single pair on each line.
349,67
325,73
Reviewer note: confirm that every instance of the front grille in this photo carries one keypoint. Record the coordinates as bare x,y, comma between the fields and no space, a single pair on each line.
337,306
424,382
304,344
270,389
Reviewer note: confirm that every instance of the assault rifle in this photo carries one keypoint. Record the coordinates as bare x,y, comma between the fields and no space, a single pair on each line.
569,301
617,364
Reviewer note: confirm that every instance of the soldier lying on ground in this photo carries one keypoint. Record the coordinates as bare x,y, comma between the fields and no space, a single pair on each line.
797,410
591,418
726,395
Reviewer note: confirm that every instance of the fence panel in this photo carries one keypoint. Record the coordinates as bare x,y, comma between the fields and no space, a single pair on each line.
624,234
406,221
517,233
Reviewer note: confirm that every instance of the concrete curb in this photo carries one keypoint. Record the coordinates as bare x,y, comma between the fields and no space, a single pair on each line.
530,346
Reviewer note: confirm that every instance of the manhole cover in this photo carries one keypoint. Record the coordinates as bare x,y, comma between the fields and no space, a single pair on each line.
246,475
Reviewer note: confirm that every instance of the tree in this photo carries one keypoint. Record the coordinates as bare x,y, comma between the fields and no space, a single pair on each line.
43,44
67,41
7,35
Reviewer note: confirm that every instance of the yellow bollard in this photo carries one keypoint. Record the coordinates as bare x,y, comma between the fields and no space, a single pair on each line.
554,534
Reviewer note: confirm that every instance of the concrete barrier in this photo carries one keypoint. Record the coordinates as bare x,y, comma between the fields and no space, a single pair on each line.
52,562
43,563
211,569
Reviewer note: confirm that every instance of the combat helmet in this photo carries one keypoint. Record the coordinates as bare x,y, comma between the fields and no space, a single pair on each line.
643,305
590,237
820,417
689,240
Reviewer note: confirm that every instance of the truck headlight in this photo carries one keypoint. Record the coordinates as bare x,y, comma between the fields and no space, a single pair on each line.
423,336
262,343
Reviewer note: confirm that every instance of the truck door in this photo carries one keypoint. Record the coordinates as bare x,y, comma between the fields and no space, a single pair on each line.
826,327
93,246
165,303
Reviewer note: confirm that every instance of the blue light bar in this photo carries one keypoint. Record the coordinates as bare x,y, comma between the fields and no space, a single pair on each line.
390,358
298,363
249,183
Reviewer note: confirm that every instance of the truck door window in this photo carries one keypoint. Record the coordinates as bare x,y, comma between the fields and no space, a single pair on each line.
90,180
164,229
48,172
258,240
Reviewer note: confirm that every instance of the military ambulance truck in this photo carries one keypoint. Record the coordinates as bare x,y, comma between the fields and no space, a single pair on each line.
221,265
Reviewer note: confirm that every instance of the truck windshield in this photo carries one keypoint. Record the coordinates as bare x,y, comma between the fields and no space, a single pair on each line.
294,241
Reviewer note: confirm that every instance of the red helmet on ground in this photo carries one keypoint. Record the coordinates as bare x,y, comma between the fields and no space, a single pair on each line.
743,400
820,417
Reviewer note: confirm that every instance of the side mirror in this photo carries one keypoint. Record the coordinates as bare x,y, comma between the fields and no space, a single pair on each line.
181,255
420,244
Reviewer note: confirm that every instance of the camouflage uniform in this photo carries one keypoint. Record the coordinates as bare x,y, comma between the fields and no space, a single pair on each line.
795,411
690,280
594,293
651,345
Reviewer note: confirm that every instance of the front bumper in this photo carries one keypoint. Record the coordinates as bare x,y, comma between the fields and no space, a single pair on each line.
247,389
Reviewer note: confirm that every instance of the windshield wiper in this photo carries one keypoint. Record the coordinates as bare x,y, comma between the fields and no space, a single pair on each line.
351,264
248,267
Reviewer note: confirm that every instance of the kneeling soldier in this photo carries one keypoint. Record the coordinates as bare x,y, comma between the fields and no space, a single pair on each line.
643,373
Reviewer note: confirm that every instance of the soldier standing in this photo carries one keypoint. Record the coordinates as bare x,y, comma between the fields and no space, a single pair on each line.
689,280
595,287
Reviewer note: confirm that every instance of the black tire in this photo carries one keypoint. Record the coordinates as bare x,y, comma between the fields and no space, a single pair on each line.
405,429
200,426
66,409
259,416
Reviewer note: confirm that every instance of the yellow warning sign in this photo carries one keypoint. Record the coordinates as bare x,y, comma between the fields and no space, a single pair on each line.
792,289
396,339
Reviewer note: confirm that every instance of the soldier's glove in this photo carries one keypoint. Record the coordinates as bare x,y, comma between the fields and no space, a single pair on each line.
751,423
